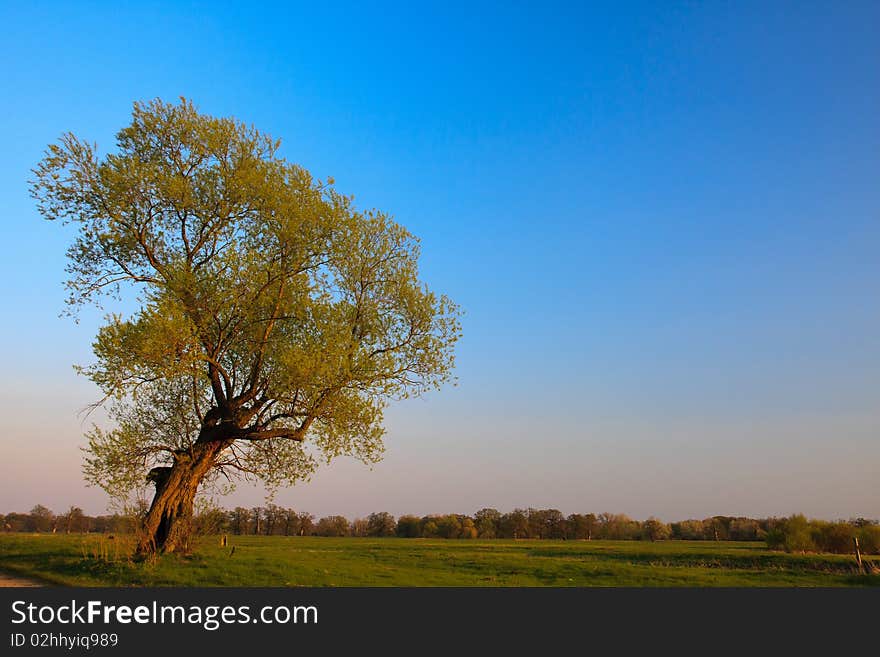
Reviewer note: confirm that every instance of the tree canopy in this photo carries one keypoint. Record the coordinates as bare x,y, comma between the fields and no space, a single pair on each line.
272,317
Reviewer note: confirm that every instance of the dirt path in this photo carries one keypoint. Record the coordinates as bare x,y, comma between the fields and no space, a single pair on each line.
7,580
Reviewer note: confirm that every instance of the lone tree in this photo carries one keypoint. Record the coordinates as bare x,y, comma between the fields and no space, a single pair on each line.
272,322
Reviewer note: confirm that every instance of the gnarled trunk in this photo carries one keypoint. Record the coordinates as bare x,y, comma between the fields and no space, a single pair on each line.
168,523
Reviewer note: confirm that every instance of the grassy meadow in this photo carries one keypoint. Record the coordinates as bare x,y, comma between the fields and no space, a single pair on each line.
95,560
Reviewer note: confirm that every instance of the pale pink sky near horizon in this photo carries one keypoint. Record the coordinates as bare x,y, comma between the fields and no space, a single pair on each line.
640,467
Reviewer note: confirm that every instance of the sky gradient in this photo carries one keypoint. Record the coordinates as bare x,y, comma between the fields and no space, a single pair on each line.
662,221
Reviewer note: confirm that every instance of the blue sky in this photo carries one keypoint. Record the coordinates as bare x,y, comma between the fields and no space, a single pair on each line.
661,219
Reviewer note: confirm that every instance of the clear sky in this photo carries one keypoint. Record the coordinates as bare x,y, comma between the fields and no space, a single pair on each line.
661,219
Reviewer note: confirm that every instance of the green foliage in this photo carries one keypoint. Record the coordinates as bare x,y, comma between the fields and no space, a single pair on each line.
688,530
448,526
332,526
270,310
41,519
546,523
834,536
515,524
618,526
744,529
581,526
797,534
409,527
487,521
209,518
381,524
655,530
467,529
869,539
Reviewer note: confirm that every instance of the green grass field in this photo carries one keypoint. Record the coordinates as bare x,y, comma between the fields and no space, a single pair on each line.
93,560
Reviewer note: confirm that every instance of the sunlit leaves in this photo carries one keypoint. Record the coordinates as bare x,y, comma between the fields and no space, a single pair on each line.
268,303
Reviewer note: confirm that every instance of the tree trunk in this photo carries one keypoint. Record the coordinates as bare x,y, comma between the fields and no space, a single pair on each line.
167,525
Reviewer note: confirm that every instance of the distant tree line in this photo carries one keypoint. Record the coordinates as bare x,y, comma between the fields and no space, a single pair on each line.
797,534
793,534
73,521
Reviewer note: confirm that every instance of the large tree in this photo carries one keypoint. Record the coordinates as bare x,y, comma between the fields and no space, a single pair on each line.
268,321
